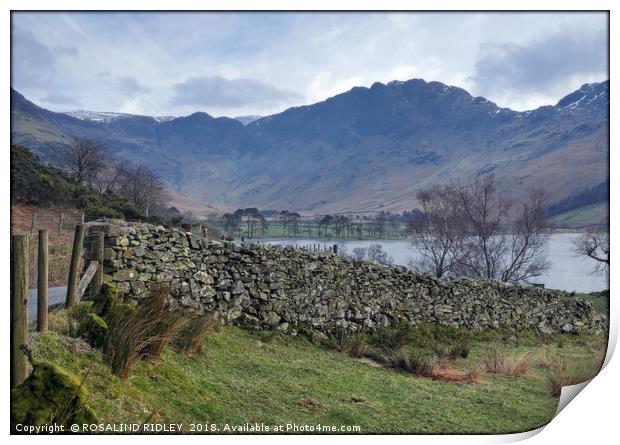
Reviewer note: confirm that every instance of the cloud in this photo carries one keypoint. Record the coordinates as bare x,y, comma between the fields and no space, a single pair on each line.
546,64
216,91
59,99
33,64
130,86
69,51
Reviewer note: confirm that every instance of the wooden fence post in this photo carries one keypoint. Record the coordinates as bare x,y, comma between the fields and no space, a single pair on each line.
19,308
62,215
336,249
42,280
82,218
96,255
33,222
74,272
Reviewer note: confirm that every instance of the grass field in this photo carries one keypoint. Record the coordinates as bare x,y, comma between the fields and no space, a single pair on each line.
248,376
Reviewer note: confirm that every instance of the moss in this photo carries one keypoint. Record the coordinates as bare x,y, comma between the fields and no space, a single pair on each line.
50,395
94,329
106,300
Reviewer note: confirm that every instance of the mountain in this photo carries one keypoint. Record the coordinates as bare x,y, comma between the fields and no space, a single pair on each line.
247,119
366,149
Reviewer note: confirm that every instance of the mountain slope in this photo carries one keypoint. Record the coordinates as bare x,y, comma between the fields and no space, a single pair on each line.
365,149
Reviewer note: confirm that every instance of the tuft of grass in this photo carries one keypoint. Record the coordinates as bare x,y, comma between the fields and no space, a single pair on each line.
354,345
560,374
460,349
190,337
496,361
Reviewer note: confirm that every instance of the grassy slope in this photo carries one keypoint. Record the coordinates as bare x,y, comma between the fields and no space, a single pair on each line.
247,376
597,214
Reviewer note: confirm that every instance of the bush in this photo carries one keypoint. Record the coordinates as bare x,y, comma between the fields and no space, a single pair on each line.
497,362
190,337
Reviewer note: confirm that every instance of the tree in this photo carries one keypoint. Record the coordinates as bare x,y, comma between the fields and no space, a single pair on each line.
83,159
439,234
493,247
475,230
143,188
594,244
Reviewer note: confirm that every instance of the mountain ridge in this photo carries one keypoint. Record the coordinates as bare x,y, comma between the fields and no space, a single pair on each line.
370,148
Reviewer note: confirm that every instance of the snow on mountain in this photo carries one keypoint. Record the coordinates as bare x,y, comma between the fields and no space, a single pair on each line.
107,117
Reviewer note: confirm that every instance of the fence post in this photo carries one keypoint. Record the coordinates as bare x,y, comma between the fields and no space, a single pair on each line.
33,222
19,308
74,272
62,215
336,249
96,255
82,218
42,280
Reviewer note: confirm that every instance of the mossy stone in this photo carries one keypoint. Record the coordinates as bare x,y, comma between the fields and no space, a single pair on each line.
106,300
50,395
95,330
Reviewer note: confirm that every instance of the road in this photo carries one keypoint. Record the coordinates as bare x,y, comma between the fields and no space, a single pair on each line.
54,295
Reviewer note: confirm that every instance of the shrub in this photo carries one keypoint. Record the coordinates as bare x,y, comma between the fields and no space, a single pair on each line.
191,336
354,345
497,362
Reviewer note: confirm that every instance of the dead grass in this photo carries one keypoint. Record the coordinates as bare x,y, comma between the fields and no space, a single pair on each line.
560,373
497,361
354,345
190,336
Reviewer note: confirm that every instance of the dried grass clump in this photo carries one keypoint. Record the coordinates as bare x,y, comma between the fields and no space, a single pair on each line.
354,345
428,365
140,332
459,349
497,362
560,374
191,336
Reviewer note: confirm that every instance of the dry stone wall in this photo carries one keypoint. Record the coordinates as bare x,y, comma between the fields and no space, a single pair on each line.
270,287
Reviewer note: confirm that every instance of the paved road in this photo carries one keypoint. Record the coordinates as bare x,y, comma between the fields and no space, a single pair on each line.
54,295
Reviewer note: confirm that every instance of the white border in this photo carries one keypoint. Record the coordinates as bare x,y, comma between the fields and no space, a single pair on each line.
591,419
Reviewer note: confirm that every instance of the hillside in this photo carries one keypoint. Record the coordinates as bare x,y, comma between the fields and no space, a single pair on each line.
365,149
245,378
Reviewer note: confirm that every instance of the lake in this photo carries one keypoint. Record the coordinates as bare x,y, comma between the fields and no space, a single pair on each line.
568,271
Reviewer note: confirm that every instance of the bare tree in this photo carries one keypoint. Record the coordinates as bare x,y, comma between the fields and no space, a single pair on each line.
359,253
142,188
438,237
475,230
83,158
109,177
594,244
494,246
526,252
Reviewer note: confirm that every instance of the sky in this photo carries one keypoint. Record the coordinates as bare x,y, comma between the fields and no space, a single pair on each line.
233,64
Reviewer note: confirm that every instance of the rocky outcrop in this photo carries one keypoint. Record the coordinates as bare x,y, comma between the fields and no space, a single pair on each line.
270,287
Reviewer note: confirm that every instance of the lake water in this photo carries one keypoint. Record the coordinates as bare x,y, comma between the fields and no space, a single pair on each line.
568,271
